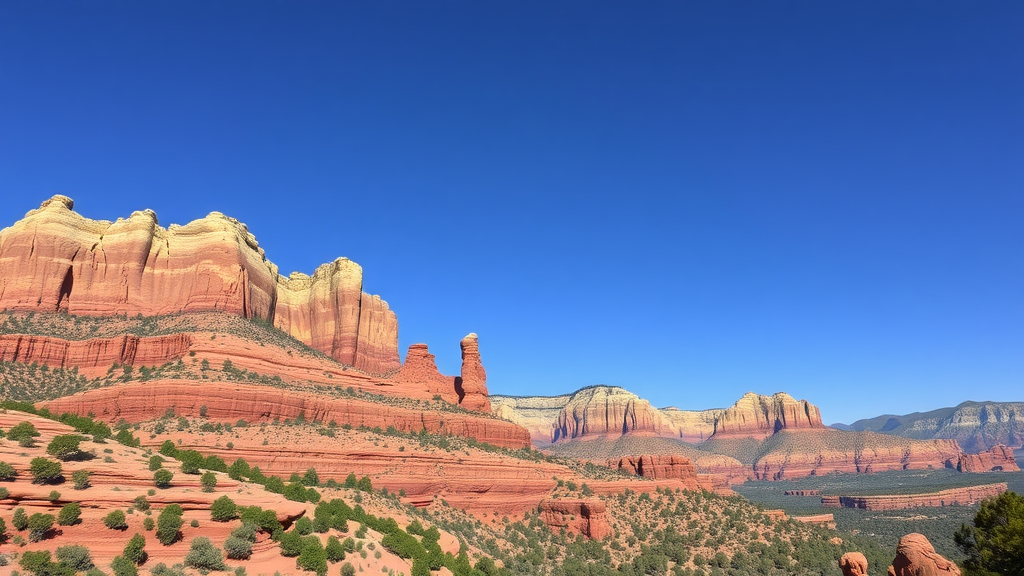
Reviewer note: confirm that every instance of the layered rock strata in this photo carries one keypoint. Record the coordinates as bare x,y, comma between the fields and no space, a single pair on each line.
951,497
229,402
577,516
96,354
999,458
658,466
57,260
759,416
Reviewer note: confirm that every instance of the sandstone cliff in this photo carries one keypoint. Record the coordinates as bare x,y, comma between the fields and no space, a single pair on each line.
760,416
577,516
998,459
57,260
951,497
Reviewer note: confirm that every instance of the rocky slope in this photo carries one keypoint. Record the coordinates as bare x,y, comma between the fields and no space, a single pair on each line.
55,260
976,426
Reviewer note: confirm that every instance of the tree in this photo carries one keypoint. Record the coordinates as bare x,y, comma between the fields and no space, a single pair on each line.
209,481
350,480
238,469
44,471
334,550
311,478
291,544
135,549
191,460
116,520
168,523
204,556
312,557
38,525
364,484
162,478
77,557
39,563
169,449
995,544
69,514
65,447
223,509
155,463
347,569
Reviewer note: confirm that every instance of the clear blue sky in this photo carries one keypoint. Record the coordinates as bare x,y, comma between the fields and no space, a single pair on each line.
688,199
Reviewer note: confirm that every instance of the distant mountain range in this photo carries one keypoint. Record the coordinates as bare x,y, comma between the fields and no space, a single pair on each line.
976,426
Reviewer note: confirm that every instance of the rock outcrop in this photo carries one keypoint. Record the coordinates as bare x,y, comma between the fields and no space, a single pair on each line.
658,466
95,355
578,516
57,260
853,564
997,459
950,497
915,556
605,411
471,385
758,416
229,402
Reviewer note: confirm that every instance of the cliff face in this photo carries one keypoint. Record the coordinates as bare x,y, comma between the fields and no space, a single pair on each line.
602,411
758,416
659,467
951,497
588,517
998,459
57,260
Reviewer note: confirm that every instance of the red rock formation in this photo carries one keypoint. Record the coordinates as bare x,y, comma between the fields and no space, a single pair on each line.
759,416
853,564
951,497
826,520
56,260
228,402
999,458
578,516
471,386
420,369
659,466
802,493
915,556
94,356
604,411
776,515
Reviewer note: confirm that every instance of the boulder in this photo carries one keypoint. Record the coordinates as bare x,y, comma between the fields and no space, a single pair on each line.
853,564
915,556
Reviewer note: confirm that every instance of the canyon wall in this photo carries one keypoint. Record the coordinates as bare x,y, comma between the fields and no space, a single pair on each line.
757,416
951,497
588,517
55,260
998,459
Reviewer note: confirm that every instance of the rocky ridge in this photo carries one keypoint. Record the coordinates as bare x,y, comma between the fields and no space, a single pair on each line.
976,426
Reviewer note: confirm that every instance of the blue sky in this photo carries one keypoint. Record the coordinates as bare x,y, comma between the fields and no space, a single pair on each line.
687,199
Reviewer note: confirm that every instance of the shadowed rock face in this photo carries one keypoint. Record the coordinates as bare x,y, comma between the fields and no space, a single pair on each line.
580,516
57,260
915,556
998,459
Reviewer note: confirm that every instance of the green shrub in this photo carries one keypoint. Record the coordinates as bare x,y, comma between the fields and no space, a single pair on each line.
69,514
169,449
347,569
995,544
77,557
20,519
23,431
312,557
202,555
239,469
135,549
38,526
223,509
335,551
7,472
39,563
237,548
311,478
155,463
125,437
53,496
168,523
65,447
124,567
190,460
209,481
148,524
141,503
4,493
44,471
291,544
162,478
115,520
80,478
304,526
